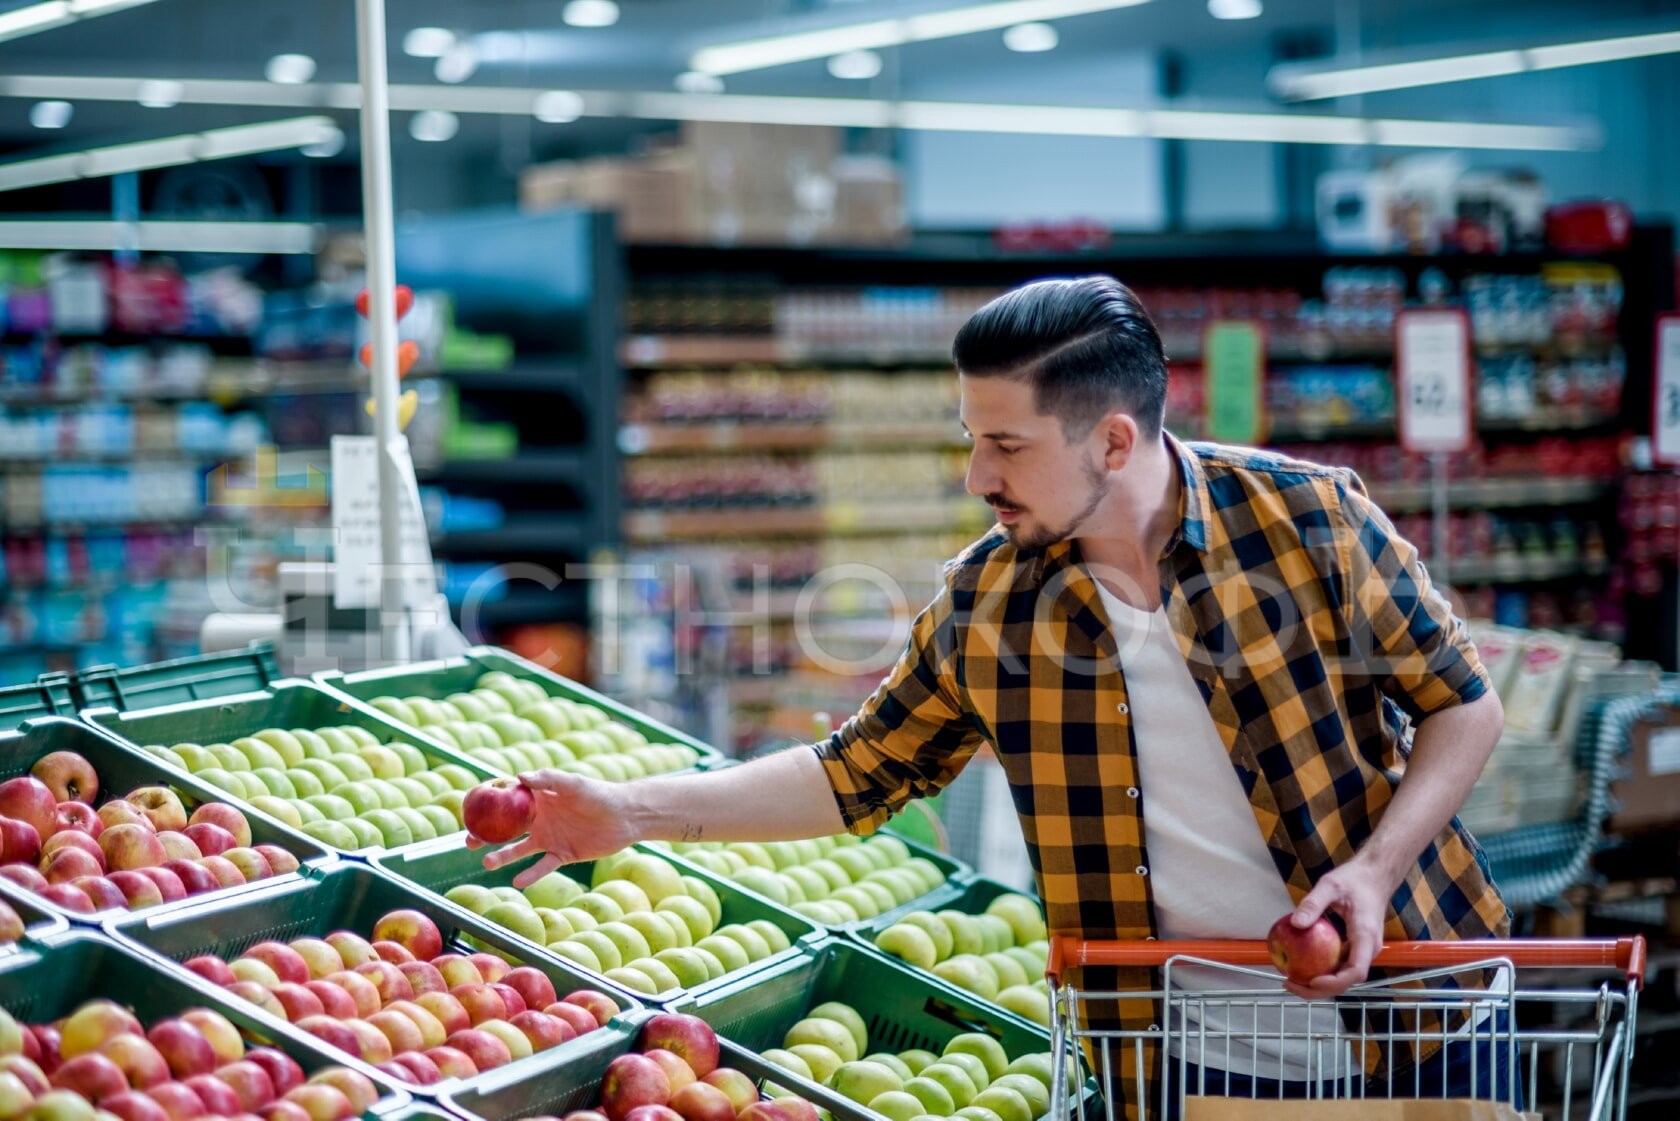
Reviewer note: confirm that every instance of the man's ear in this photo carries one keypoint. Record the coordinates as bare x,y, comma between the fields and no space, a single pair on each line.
1119,433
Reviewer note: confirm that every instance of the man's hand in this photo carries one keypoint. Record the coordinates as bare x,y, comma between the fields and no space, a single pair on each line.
1360,895
575,819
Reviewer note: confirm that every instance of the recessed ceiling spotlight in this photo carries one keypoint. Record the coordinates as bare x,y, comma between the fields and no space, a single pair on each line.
558,107
855,65
328,146
428,42
51,114
1235,9
434,125
160,94
457,64
290,69
1031,38
590,13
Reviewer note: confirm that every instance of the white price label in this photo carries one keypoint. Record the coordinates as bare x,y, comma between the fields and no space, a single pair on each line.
355,509
1432,361
1665,393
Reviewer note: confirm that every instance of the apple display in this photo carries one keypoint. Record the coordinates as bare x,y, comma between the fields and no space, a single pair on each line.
250,1081
335,1002
581,1022
177,1101
250,863
218,1097
70,863
280,861
360,990
484,1050
322,1103
223,1036
67,897
169,885
179,846
130,1106
452,1062
356,1087
260,995
196,878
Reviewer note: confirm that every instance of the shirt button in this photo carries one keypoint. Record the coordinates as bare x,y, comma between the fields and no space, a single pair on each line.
1121,709
1142,871
1131,792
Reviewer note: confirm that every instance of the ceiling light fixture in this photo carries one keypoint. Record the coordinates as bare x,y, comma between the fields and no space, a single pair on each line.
170,151
692,81
1235,9
159,94
51,114
1307,82
1031,38
557,107
590,13
163,237
289,69
327,147
434,125
457,64
855,65
428,42
804,46
31,19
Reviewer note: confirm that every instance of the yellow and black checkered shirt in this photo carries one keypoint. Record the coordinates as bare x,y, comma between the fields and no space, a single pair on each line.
1315,637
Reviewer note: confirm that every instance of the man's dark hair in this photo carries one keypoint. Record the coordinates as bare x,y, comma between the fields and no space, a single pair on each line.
1086,346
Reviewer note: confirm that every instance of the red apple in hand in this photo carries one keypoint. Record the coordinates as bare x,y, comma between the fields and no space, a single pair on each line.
498,811
70,777
27,798
1302,955
78,817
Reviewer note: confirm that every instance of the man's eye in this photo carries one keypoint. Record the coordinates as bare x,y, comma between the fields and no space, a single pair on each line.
1007,450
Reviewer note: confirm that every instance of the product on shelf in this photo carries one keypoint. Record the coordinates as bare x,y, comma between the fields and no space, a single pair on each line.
339,785
999,955
403,1001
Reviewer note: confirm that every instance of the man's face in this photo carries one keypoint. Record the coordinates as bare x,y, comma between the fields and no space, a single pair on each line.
1042,486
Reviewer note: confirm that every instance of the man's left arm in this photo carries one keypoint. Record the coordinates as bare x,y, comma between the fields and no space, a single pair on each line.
1421,656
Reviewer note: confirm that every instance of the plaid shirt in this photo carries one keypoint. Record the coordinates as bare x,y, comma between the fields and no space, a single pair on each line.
1315,637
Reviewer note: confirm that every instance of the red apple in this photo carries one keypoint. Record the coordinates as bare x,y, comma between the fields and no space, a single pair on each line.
397,1072
653,1113
424,1071
321,958
498,811
356,1087
101,892
222,868
393,952
76,839
388,979
374,1046
27,798
169,885
27,1070
490,967
24,875
322,1103
1302,955
119,812
456,969
511,1000
452,1062
432,1031
333,1033
161,805
91,1075
353,948
582,1023
448,1011
287,963
223,1036
544,1031
68,776
140,1062
250,863
699,1101
178,1101
220,1099
139,890
402,1032
423,977
532,985
300,1002
19,842
223,816
335,1002
193,876
134,1106
688,1037
211,839
212,969
259,995
677,1072
481,1003
283,1070
127,847
178,846
77,817
485,1050
361,990
411,930
798,1108
251,1082
283,1110
70,864
737,1087
764,1111
630,1081
68,898
183,1047
278,859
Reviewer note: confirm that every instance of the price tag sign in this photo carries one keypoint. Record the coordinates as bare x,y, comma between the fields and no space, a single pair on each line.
1234,361
1665,393
1432,363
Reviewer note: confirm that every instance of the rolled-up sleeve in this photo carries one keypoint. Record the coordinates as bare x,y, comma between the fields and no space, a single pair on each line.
911,737
1417,651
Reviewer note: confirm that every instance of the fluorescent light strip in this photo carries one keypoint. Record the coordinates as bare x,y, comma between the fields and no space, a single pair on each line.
164,237
1298,82
219,144
849,112
802,46
36,18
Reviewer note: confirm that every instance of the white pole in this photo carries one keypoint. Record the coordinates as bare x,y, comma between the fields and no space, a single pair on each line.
379,235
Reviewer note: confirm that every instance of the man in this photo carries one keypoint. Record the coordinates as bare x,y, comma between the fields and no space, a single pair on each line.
1237,642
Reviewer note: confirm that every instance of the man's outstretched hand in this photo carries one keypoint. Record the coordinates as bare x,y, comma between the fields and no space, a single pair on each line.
575,819
1359,895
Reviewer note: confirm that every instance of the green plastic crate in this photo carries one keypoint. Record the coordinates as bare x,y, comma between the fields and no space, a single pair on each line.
121,769
352,897
457,675
195,678
48,695
39,922
446,862
577,1085
47,982
285,704
971,895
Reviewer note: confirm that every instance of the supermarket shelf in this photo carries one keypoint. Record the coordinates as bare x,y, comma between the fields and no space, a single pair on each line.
547,534
1517,570
559,465
1487,494
650,526
560,376
656,439
151,458
527,604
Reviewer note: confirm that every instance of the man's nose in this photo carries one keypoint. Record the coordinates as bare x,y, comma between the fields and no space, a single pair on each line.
980,480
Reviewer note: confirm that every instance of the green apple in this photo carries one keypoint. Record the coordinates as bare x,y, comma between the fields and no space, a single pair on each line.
701,890
757,948
630,941
1041,1065
765,883
954,1079
555,926
897,852
605,949
917,1060
223,780
396,709
654,929
818,913
681,935
1026,1002
893,1063
426,711
823,1061
231,758
362,798
511,729
884,900
1030,1088
984,1048
623,736
726,950
355,768
862,1081
826,1033
934,1097
927,870
367,834
337,740
976,1113
332,833
414,794
331,778
521,920
787,1060
314,747
507,893
304,783
811,884
968,971
554,890
195,758
1031,964
390,797
714,966
840,912
446,734
847,1017
550,717
258,753
360,736
1025,918
691,911
434,783
307,812
602,908
392,828
579,918
832,872
901,885
909,944
333,807
688,965
492,701
279,809
442,821
627,895
276,782
859,900
896,1105
1008,971
578,954
451,802
413,759
995,933
285,743
382,761
664,979
971,1066
855,861
253,786
879,858
774,936
418,824
965,932
469,705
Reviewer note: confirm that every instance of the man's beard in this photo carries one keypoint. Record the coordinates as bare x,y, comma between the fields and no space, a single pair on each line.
1043,538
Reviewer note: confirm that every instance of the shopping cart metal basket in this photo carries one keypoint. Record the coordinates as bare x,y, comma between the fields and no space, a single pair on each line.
1569,1047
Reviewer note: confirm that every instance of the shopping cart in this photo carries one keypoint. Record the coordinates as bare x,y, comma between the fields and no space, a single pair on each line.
1545,1037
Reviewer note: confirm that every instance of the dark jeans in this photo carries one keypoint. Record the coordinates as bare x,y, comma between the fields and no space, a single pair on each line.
1445,1074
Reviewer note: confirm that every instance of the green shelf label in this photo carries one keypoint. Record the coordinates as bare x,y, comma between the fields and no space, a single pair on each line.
1234,361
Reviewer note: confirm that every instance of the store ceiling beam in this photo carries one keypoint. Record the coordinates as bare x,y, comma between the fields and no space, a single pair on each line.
953,116
163,237
32,19
170,151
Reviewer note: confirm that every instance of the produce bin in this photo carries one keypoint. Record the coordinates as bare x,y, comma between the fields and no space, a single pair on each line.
577,1085
346,896
285,704
121,769
438,679
40,921
446,862
195,678
50,981
47,695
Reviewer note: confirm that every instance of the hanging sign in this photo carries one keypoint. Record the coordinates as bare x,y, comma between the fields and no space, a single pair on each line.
1234,365
1432,368
1665,393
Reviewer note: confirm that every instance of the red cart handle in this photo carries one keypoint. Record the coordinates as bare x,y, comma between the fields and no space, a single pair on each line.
1626,955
